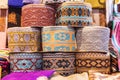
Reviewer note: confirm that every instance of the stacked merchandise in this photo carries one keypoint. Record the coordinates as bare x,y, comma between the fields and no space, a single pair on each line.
92,42
62,37
92,45
67,44
61,41
24,44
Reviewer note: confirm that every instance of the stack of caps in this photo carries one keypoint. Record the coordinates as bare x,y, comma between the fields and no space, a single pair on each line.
92,42
24,44
57,42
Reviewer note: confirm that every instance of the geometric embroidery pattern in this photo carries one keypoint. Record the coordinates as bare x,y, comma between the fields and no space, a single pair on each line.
39,15
63,63
62,36
93,61
23,39
62,48
25,62
74,14
58,38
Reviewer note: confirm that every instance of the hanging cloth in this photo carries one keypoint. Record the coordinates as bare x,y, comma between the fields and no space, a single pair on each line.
116,39
115,35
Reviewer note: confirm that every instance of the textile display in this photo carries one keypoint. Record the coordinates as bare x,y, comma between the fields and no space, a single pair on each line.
14,17
99,17
97,61
29,75
37,15
58,38
115,34
96,3
25,61
115,39
74,14
24,39
82,76
61,62
93,38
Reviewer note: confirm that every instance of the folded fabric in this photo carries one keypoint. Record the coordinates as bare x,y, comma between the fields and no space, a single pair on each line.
4,55
82,76
28,75
15,3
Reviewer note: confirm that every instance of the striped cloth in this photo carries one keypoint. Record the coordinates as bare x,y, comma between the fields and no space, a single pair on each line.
116,38
115,35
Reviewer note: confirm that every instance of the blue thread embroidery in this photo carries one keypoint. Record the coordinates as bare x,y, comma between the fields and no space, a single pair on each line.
47,48
24,64
62,48
46,37
73,37
62,36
